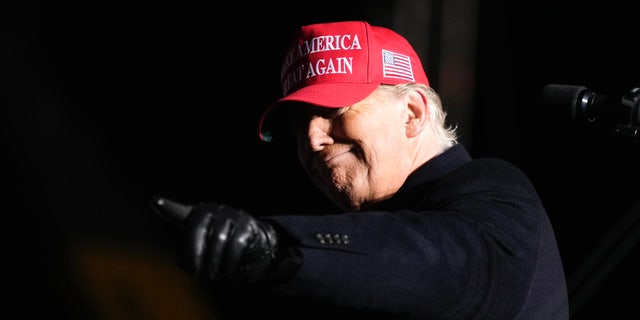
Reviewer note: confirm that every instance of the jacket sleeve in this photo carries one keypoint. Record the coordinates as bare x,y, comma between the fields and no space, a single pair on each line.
469,249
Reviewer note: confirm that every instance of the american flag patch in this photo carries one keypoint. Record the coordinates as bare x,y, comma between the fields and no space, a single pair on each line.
395,65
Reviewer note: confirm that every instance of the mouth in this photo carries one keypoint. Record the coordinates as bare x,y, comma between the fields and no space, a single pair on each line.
333,157
328,159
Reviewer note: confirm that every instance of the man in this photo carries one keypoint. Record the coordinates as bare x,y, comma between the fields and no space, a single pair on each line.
427,232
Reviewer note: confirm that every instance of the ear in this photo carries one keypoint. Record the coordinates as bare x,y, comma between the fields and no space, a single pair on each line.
417,113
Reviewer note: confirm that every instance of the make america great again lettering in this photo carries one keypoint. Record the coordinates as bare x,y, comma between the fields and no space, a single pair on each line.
295,70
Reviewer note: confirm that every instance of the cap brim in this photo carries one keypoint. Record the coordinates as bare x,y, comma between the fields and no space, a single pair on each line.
328,95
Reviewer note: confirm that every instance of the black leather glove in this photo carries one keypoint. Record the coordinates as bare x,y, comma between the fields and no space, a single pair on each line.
222,241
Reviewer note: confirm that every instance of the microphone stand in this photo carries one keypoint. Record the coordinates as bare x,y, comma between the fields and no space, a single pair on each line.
602,261
625,236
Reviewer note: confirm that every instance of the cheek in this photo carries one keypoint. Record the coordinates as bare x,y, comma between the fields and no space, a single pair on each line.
379,143
375,126
384,156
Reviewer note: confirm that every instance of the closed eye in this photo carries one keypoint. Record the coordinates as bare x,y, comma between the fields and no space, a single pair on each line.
298,116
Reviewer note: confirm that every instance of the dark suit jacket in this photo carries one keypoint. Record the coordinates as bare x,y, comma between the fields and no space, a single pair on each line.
462,239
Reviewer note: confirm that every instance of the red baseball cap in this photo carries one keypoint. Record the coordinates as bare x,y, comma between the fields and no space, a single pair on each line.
338,64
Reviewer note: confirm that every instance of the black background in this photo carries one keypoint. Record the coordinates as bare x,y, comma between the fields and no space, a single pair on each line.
109,103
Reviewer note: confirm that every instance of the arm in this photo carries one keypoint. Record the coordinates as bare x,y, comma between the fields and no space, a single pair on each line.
470,248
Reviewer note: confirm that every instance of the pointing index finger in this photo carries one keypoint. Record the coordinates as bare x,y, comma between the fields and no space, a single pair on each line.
170,210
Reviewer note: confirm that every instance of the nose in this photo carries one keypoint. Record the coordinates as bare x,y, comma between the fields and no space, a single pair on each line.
318,133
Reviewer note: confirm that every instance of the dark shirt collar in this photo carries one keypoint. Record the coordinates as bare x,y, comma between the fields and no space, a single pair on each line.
437,167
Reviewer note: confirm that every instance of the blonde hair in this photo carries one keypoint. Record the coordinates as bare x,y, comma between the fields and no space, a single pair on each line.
445,134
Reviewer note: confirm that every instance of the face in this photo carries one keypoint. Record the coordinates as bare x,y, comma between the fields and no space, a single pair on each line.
357,155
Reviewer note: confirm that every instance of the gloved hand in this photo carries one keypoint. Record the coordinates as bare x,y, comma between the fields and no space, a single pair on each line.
221,241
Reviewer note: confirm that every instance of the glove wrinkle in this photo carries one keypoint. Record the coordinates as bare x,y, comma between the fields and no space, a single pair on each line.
232,254
197,239
219,235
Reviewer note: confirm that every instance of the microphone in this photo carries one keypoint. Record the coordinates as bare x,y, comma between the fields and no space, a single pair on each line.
580,103
585,106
